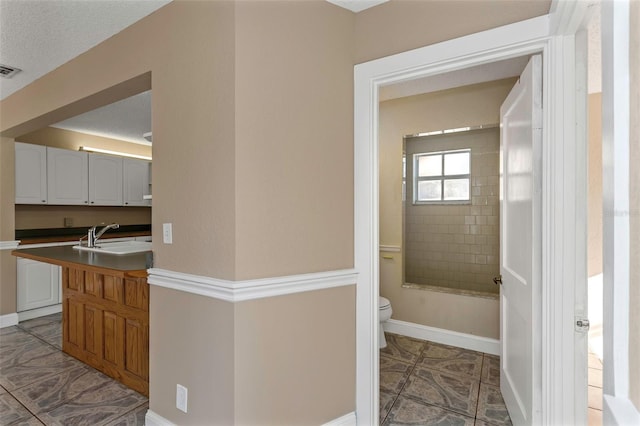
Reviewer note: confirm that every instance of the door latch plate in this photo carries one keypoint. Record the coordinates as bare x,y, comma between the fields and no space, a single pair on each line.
582,324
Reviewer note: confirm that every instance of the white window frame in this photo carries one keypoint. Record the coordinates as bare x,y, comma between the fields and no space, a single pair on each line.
442,177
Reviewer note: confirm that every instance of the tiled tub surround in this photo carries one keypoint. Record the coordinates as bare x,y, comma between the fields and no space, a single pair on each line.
39,384
456,245
426,383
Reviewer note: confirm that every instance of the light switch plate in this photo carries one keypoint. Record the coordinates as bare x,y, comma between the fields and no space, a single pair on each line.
167,233
182,395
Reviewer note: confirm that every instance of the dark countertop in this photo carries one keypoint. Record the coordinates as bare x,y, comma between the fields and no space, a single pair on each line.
66,255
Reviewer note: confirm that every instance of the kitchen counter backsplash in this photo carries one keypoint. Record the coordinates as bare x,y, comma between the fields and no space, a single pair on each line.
71,233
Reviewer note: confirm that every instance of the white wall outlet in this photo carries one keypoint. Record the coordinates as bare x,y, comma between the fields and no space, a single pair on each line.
167,233
181,398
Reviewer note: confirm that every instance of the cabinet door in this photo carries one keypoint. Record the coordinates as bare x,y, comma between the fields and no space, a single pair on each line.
136,182
105,180
67,177
38,284
31,173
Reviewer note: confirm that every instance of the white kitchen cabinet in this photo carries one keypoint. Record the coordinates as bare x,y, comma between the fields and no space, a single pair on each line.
31,173
67,177
136,185
105,180
38,284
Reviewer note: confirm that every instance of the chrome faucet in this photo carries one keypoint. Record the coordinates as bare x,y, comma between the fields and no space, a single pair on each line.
93,236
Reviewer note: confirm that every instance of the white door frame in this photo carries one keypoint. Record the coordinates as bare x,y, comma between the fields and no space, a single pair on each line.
616,68
563,197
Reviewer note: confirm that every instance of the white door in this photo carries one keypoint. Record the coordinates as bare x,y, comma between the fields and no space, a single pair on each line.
521,241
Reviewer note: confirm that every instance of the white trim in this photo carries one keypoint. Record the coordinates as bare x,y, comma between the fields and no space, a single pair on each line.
619,411
346,420
39,312
237,291
8,320
390,248
445,337
562,262
154,419
9,245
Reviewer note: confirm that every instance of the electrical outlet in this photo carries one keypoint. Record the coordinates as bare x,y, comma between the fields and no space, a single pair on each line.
68,222
181,398
167,233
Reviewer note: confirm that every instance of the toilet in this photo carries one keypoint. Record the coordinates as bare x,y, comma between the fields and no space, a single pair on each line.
384,313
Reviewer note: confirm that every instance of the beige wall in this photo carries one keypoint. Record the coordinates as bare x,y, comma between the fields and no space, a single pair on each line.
311,335
294,138
401,25
465,106
594,219
8,291
634,206
456,246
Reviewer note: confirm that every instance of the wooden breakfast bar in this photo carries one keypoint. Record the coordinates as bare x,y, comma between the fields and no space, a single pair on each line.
105,310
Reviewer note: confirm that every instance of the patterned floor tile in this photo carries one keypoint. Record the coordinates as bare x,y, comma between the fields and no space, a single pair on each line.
22,373
393,374
386,402
41,321
2,390
409,412
97,406
24,353
450,359
133,418
491,370
452,392
14,337
403,348
49,393
11,411
491,408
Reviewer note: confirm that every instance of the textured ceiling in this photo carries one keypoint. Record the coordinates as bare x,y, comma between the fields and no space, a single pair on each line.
38,36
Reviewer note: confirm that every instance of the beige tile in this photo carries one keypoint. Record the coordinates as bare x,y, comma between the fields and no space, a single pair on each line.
594,361
595,377
594,417
595,397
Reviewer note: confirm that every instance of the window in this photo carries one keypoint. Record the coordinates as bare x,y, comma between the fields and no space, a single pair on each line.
441,176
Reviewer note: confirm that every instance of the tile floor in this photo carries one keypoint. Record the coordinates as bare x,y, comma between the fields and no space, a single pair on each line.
426,383
39,384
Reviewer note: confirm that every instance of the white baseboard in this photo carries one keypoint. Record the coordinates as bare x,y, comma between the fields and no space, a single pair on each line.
445,337
8,320
346,420
154,419
39,312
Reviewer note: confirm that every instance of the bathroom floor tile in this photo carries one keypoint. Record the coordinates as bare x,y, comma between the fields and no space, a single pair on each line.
451,360
393,374
594,361
595,377
403,348
410,412
594,397
491,408
490,370
594,417
452,392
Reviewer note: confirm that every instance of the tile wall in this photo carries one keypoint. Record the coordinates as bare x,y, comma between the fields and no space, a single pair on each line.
456,245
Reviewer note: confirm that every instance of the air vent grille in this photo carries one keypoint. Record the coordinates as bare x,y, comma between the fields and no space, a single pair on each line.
7,72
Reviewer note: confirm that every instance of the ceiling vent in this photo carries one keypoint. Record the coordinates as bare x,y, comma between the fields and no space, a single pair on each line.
7,71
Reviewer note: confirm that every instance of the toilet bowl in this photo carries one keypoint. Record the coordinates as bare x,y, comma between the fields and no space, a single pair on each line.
384,313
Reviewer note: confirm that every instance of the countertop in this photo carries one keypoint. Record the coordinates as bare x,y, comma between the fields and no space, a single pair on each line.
68,256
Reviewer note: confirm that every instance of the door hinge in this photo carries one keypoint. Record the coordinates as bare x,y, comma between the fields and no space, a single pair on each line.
582,325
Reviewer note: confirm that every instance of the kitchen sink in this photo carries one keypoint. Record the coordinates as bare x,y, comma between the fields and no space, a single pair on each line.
118,247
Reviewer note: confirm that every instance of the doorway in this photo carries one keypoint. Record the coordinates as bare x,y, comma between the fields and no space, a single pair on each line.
557,396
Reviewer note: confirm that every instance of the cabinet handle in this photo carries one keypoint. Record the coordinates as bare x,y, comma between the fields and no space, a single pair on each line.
92,202
126,203
44,201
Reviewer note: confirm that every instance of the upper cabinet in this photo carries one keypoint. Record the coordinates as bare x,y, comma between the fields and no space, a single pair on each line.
105,180
31,174
67,177
137,182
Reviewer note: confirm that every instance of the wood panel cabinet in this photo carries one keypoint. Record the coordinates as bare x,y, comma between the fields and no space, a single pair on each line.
67,177
31,173
105,180
106,323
